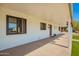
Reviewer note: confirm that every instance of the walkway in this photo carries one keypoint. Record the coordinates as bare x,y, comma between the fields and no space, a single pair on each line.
53,46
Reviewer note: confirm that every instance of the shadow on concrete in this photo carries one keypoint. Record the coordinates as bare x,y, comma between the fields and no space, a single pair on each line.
27,48
59,44
54,42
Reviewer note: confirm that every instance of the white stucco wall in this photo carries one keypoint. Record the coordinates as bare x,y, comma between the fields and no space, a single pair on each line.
33,23
33,30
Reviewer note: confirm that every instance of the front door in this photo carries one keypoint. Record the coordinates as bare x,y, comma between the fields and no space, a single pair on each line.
50,30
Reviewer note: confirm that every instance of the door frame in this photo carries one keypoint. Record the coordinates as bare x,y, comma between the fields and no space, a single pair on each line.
50,30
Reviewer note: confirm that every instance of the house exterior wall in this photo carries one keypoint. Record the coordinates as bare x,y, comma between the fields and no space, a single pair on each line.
33,30
33,26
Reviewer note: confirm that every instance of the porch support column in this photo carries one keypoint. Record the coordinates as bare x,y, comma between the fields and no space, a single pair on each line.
69,37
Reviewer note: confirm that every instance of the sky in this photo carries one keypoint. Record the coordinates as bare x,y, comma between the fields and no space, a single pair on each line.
76,11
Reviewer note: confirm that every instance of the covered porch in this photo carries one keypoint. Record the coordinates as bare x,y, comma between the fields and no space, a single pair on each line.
33,29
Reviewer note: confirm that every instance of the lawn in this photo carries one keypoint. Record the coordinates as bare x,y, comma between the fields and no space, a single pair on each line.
75,46
76,37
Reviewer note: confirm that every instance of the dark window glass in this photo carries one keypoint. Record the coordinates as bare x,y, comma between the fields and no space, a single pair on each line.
19,25
43,26
24,26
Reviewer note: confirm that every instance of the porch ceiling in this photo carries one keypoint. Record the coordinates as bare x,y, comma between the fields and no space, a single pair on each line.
57,13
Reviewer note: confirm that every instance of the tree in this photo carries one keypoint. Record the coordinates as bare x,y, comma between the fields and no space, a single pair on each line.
75,25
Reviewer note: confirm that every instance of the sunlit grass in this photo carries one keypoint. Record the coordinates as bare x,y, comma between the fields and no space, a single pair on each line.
75,48
75,45
76,37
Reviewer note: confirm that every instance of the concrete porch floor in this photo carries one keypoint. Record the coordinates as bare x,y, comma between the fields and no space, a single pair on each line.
53,46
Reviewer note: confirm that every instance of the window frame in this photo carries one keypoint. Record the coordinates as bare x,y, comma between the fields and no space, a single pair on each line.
43,24
7,24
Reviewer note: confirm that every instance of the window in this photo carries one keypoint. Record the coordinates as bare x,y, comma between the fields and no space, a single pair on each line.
59,28
15,25
43,26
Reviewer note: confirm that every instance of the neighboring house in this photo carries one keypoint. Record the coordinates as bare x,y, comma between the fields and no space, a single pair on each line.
24,23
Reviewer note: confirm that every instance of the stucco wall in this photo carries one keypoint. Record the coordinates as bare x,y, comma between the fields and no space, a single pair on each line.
33,30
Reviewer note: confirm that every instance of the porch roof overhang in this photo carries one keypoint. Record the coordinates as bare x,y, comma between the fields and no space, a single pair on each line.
57,13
